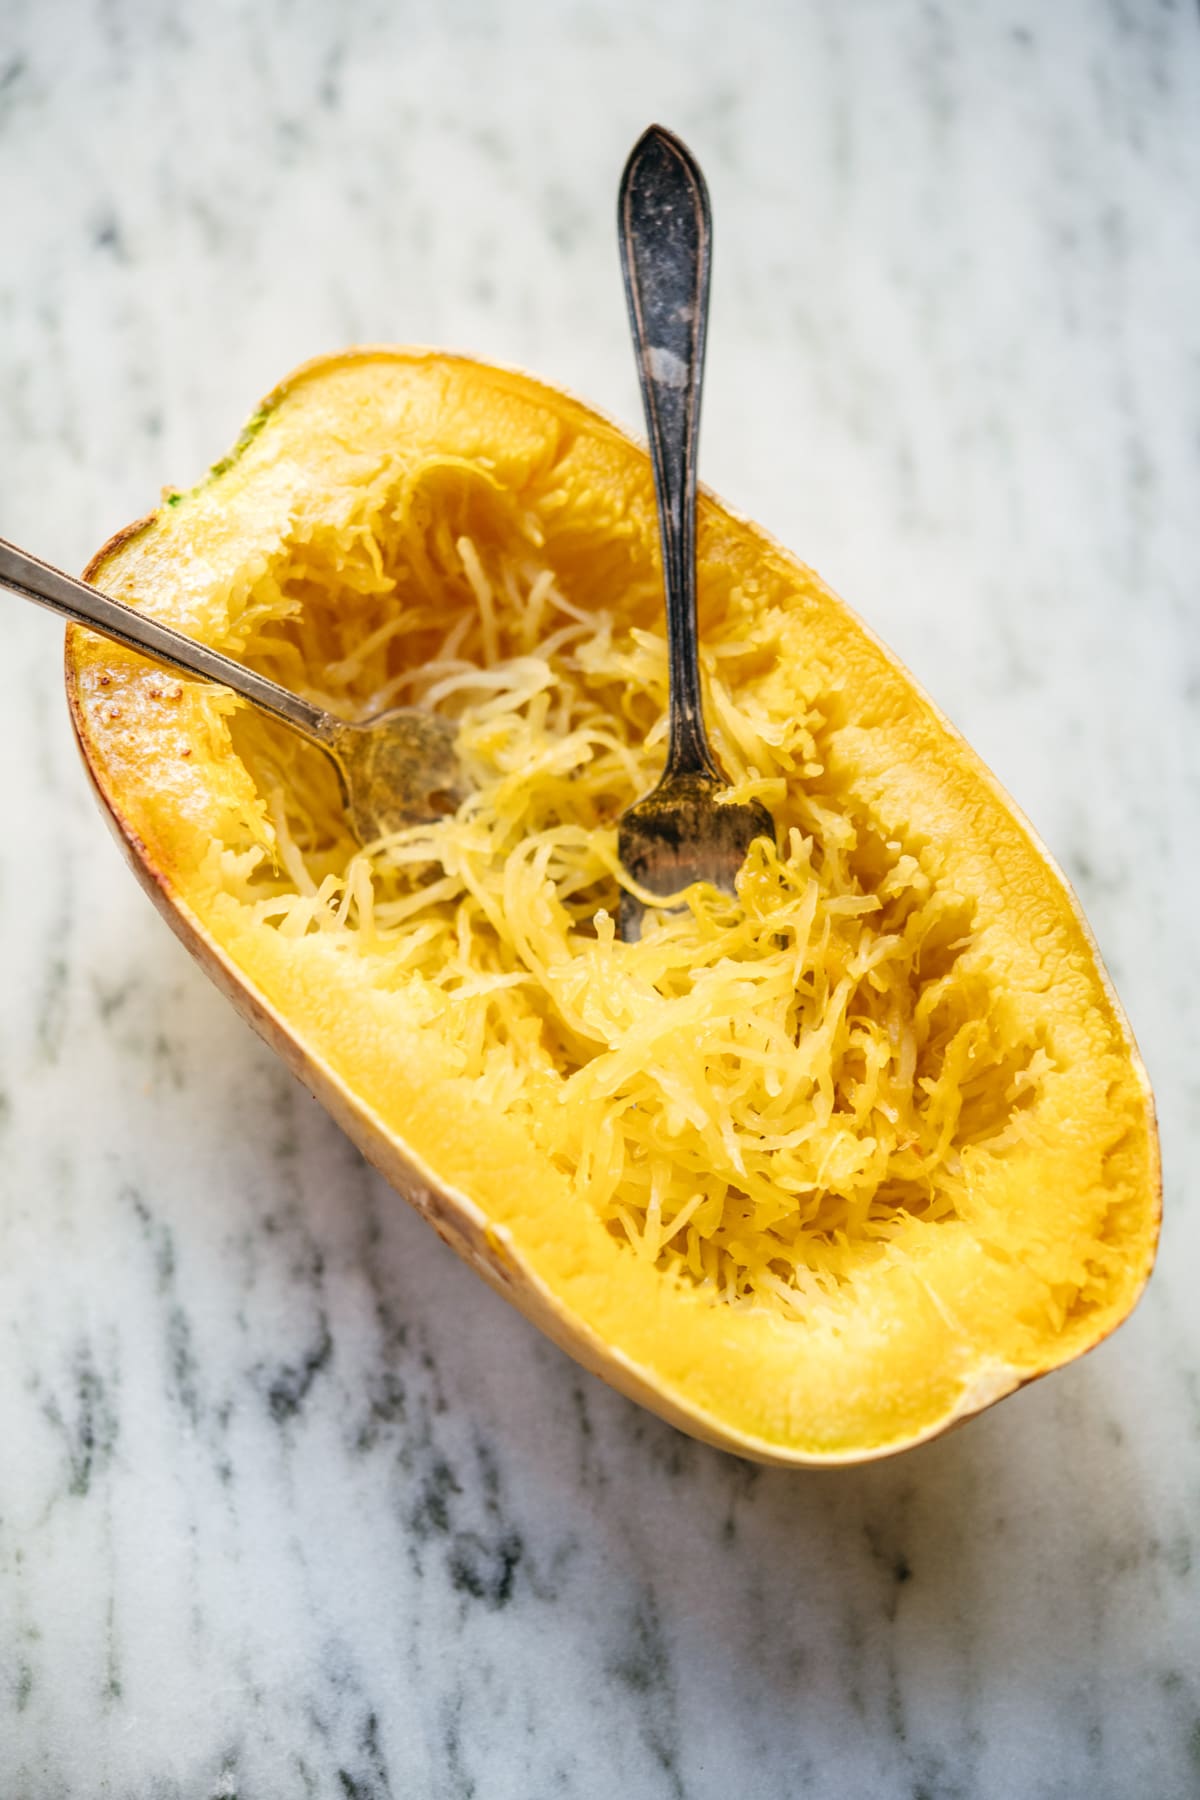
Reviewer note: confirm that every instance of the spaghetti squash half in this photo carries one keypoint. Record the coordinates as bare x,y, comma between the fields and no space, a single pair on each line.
815,1172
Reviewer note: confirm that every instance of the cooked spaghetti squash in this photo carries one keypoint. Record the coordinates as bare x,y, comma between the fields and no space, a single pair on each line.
816,1170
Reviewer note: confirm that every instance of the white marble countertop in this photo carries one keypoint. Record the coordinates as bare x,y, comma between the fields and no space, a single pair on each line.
289,1504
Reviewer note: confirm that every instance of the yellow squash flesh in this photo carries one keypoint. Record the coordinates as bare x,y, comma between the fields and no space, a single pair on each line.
981,1199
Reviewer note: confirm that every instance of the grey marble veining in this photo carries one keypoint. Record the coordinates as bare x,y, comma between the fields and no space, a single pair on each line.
289,1504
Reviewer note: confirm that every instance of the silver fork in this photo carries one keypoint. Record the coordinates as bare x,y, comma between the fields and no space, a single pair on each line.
679,832
398,768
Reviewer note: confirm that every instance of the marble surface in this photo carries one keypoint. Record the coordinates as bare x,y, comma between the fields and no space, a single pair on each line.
289,1504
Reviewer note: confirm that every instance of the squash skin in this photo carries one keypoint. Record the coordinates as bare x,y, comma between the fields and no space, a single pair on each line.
488,1245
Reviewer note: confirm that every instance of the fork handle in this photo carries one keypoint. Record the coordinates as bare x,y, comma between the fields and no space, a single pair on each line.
665,233
35,580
